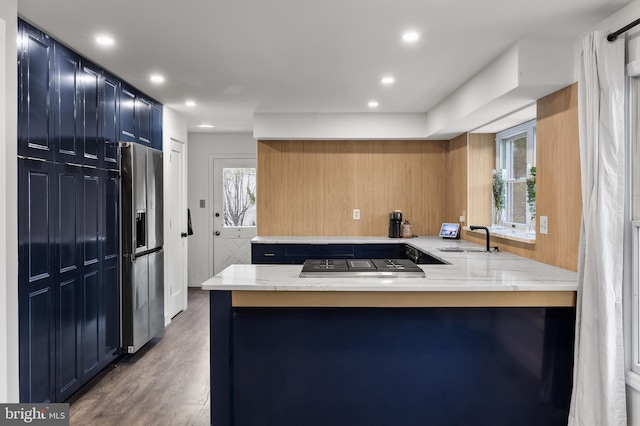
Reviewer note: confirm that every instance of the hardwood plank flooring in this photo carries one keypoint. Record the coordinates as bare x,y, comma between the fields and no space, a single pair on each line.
164,383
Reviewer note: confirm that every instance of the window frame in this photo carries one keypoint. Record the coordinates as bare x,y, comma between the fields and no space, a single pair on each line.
503,161
633,223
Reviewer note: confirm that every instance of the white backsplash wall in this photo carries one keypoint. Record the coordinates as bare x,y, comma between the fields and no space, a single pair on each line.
203,147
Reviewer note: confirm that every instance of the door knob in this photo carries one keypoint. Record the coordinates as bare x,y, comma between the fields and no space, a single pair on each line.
183,235
217,232
217,214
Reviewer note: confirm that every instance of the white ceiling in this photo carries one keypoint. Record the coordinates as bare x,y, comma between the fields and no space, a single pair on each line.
237,57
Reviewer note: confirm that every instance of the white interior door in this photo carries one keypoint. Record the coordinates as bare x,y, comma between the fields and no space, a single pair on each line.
234,211
177,211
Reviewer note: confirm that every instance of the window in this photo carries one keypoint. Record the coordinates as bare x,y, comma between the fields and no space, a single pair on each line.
239,191
515,155
634,155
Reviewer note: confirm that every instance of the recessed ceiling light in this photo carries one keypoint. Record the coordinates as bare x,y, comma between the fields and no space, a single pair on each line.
157,78
190,103
373,104
387,80
104,40
206,126
410,37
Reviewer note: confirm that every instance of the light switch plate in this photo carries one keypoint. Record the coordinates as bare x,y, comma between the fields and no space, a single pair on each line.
544,225
202,204
356,214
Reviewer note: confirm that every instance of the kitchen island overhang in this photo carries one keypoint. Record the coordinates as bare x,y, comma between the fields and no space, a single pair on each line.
497,349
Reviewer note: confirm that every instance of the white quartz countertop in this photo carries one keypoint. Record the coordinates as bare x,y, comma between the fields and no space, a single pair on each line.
465,271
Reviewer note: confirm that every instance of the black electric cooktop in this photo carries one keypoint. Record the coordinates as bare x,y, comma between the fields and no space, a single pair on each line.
352,268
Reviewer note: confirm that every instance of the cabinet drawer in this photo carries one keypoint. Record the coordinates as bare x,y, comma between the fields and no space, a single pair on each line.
267,253
379,251
301,252
298,253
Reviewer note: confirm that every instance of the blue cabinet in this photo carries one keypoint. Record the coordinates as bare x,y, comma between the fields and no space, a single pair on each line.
109,121
156,126
109,300
140,118
127,114
262,253
143,122
297,253
90,87
67,111
68,217
344,366
37,280
68,286
68,277
35,93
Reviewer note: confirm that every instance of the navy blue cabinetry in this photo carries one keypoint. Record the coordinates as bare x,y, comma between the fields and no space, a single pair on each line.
431,365
109,121
267,253
127,114
297,253
140,118
69,283
88,240
109,337
156,126
91,274
35,93
90,86
37,279
143,120
67,109
379,251
69,124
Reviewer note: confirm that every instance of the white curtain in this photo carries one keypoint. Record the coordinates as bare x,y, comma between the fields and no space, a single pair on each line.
598,396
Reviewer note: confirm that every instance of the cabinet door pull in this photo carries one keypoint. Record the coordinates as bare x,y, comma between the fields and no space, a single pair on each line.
269,254
42,160
73,164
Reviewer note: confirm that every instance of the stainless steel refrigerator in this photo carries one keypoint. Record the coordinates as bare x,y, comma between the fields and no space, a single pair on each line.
142,238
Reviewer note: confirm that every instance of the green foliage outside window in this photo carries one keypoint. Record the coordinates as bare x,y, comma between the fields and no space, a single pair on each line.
498,190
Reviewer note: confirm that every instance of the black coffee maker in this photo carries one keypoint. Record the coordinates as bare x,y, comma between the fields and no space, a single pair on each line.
395,224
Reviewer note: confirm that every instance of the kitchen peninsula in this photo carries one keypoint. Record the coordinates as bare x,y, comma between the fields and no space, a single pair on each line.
485,338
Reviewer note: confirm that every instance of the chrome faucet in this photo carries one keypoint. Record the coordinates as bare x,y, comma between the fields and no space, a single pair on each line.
473,228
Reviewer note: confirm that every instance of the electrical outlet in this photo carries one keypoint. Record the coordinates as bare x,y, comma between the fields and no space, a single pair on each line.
544,225
356,214
462,219
202,204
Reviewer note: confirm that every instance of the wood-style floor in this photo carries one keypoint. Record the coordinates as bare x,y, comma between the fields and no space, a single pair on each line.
164,383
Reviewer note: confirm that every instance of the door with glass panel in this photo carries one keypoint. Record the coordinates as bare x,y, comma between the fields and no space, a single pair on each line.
234,211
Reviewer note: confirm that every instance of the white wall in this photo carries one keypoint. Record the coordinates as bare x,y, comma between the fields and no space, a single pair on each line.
203,147
339,126
529,70
174,128
9,196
